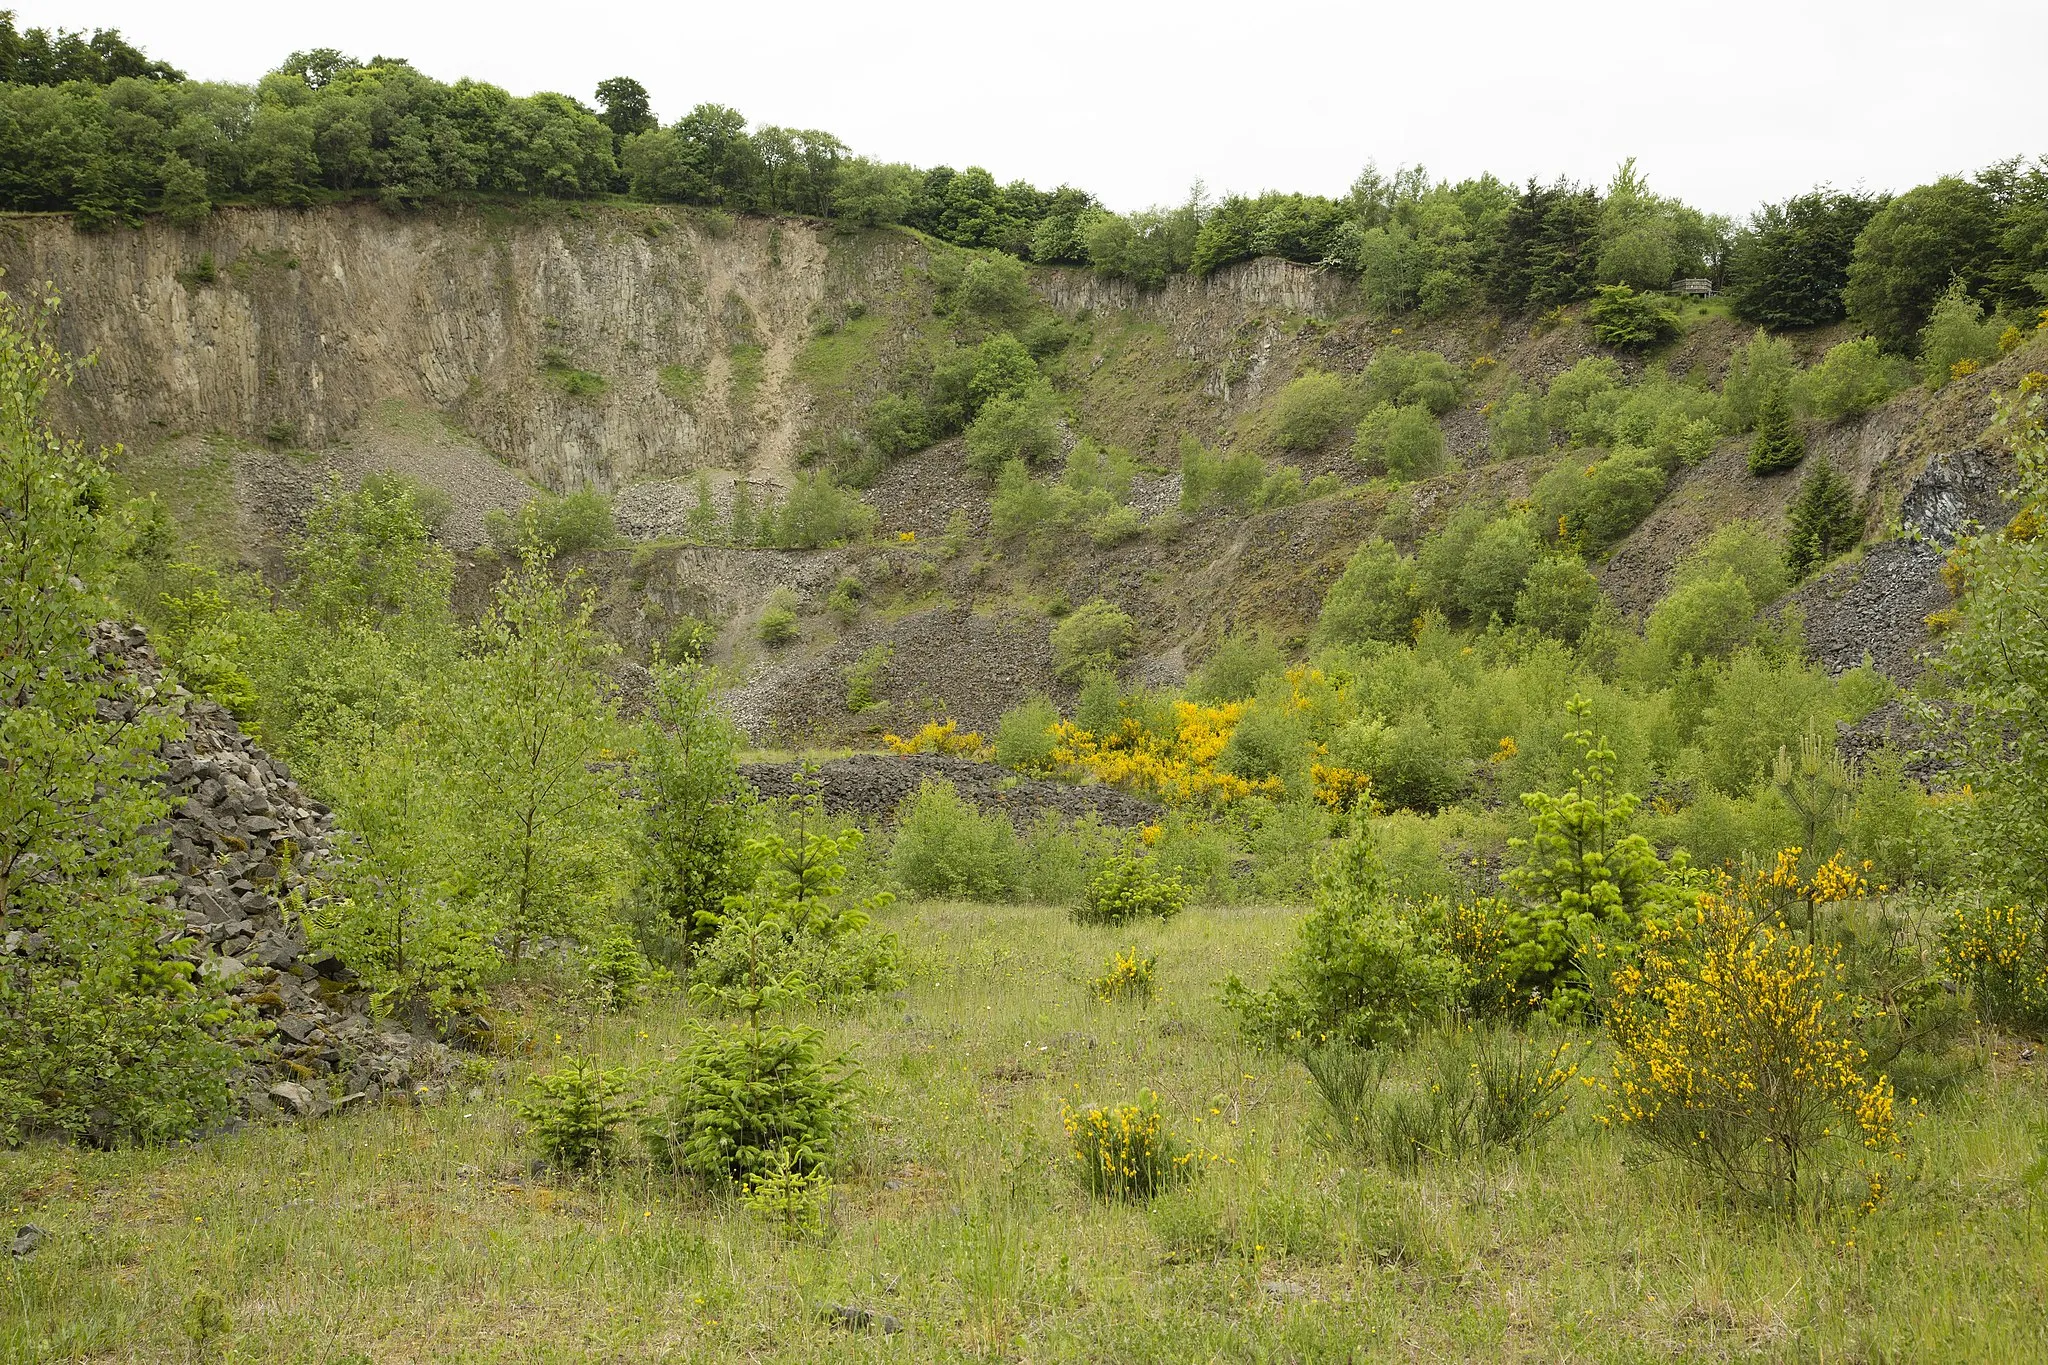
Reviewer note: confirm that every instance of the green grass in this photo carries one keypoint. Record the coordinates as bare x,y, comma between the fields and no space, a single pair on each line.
422,1234
748,363
829,364
681,382
196,485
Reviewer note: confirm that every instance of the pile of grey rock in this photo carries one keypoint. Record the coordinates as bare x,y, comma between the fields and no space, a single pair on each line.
246,847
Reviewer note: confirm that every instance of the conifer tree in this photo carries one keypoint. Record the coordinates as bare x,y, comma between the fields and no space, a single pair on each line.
1823,519
1779,444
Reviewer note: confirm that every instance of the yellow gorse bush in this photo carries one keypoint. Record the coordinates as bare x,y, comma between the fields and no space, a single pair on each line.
940,737
1179,770
1130,975
1340,788
1732,1051
1124,1151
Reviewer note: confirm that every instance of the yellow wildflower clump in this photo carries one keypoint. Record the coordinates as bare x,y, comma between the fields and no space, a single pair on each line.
1733,1052
2002,951
1124,1151
939,737
1131,975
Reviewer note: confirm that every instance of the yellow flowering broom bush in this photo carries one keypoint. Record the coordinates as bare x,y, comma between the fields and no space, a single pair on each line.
1734,1051
1124,1151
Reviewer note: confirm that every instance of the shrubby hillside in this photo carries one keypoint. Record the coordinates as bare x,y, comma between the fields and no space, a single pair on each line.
1345,762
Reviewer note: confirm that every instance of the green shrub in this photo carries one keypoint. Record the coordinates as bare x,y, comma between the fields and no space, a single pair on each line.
1401,378
1003,368
1957,338
1582,875
1704,617
1558,598
749,1102
1413,765
1853,377
1515,426
617,974
797,932
1495,568
1748,548
1823,519
1007,428
1374,599
1577,394
896,425
695,809
946,847
1235,668
1124,1151
778,623
1404,442
562,525
1311,409
687,642
1024,735
1056,856
995,288
1629,321
1207,478
1765,365
575,1115
1360,971
1094,638
1130,886
1779,443
864,678
1594,506
817,513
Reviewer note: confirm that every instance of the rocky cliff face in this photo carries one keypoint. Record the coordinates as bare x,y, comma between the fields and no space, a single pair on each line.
589,347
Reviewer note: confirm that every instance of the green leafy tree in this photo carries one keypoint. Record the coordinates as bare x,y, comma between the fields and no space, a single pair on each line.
1997,663
1823,518
1779,444
1852,378
1957,338
103,1033
1583,875
1910,251
624,107
542,817
696,809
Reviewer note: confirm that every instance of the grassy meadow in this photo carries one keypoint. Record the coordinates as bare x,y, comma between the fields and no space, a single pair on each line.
415,1234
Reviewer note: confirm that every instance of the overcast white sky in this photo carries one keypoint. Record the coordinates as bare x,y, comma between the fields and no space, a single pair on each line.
1727,104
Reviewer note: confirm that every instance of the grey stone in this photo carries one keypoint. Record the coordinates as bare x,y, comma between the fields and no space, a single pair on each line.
27,1238
294,1097
856,1319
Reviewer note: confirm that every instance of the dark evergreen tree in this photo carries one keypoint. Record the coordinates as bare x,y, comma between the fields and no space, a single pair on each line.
1788,269
1823,517
1779,443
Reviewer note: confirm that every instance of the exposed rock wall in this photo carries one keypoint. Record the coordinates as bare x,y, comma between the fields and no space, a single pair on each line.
311,317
